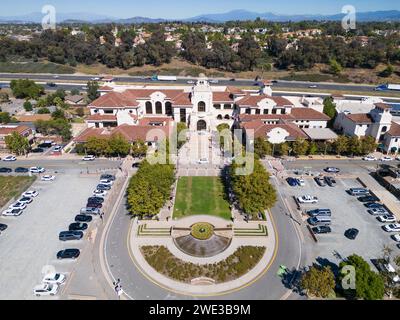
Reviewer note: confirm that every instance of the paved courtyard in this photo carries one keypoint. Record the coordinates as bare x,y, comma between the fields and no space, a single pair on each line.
36,233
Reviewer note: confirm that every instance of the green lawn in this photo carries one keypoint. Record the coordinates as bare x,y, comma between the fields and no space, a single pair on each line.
201,195
13,186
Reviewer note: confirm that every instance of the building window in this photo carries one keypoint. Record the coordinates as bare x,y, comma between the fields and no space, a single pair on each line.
227,117
149,107
168,108
201,107
183,115
273,111
217,106
266,111
384,129
283,111
158,107
219,117
227,106
248,111
109,111
258,111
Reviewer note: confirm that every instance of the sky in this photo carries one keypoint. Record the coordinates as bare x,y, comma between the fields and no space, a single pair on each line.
188,8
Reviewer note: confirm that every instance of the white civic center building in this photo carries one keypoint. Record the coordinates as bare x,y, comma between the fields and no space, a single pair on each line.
134,111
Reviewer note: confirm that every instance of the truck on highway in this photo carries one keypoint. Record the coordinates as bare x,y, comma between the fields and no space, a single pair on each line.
388,86
164,78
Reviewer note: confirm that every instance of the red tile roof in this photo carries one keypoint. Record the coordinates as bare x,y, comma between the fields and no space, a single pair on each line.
261,129
252,101
296,114
149,120
114,100
360,117
101,117
234,90
222,97
6,130
394,130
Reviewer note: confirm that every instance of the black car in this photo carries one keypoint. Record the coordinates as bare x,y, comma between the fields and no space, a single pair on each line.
83,218
3,227
5,170
136,165
95,200
94,205
373,205
70,235
330,181
21,170
68,254
107,177
368,199
77,226
37,150
322,229
45,145
351,233
103,187
51,84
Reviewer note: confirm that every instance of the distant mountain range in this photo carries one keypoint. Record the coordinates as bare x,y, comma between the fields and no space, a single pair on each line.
235,15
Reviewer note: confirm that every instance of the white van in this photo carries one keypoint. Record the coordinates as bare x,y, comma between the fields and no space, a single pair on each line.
320,221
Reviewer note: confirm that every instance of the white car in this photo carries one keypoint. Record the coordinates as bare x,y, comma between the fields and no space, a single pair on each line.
95,79
18,205
106,182
301,182
26,200
36,170
54,278
389,268
203,161
45,289
213,81
30,194
190,82
396,237
57,149
12,212
387,218
48,177
394,227
386,159
369,158
10,158
89,158
313,86
100,193
378,212
307,199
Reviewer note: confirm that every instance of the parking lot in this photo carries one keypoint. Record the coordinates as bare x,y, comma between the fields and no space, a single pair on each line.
347,212
29,246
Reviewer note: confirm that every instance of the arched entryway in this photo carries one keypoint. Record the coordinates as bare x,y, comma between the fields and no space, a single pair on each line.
201,125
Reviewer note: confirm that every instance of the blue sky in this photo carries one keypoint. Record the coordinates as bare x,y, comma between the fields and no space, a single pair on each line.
189,8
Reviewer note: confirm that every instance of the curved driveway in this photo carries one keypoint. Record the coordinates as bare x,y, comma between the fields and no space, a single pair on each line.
136,286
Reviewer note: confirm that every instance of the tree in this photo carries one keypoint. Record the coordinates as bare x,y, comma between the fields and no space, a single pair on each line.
368,145
5,117
80,112
341,144
24,88
28,106
254,192
4,97
75,92
329,108
118,145
313,149
300,146
17,143
43,111
387,72
262,147
354,145
139,149
92,91
97,146
319,282
335,67
284,149
58,114
369,284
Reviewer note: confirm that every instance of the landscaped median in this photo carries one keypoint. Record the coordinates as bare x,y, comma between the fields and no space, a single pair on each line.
240,262
13,186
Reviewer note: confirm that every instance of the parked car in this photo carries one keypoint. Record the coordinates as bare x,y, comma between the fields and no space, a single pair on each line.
25,200
94,205
54,278
373,205
378,211
10,158
103,187
368,199
21,170
396,237
292,182
300,182
5,170
12,212
37,170
320,221
93,211
387,218
369,158
68,254
106,182
100,193
351,233
322,229
89,158
77,226
332,170
107,176
393,227
83,218
18,205
70,235
3,226
48,177
96,199
57,149
45,145
45,289
30,194
385,158
319,212
330,181
37,150
358,191
307,199
320,181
